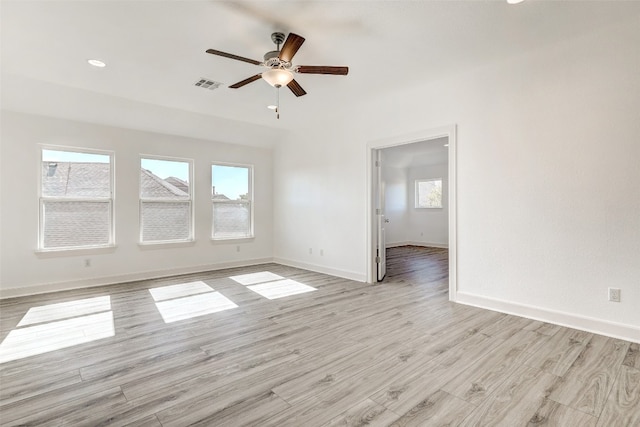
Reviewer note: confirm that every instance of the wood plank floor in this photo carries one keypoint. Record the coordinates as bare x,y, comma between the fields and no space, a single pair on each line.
345,354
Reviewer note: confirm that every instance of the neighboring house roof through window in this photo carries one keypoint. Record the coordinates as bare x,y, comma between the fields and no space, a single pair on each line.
152,186
76,179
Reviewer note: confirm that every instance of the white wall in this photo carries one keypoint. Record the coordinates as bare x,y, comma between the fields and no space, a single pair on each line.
548,180
320,202
24,271
428,227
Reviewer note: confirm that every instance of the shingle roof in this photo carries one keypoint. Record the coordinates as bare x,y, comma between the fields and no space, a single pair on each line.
153,186
86,180
75,179
178,183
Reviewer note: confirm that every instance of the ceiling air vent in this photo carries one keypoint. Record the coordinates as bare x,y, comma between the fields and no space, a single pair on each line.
208,84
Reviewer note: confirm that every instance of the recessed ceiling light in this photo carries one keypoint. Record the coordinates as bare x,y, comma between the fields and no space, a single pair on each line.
96,63
272,107
514,1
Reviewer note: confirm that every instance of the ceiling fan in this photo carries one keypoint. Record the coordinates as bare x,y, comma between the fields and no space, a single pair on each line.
279,69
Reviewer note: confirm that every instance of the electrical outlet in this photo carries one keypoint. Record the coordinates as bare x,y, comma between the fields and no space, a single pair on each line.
614,294
87,262
310,251
237,248
321,252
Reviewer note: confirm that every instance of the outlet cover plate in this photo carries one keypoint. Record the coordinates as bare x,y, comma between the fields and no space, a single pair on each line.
614,294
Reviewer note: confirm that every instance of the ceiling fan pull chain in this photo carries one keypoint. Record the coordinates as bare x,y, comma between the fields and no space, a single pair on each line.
278,103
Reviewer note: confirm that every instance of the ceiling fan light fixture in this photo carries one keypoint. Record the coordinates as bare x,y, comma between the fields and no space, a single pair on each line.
277,77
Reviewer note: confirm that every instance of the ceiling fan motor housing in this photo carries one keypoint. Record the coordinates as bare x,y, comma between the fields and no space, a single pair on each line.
277,38
272,60
271,55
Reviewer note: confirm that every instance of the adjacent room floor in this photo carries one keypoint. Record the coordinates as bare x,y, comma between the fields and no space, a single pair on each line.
419,266
271,345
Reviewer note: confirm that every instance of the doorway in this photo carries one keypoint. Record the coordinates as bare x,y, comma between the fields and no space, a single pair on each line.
381,228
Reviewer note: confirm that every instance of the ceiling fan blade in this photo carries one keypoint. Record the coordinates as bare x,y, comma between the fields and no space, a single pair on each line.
322,69
246,81
290,47
296,88
232,56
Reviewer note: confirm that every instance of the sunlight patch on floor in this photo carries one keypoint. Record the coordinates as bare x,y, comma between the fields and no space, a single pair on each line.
281,289
254,278
65,310
84,321
188,300
180,290
272,286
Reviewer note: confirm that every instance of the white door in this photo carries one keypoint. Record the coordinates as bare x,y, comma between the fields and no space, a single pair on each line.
381,252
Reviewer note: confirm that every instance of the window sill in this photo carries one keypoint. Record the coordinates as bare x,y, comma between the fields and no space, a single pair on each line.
60,252
232,240
166,244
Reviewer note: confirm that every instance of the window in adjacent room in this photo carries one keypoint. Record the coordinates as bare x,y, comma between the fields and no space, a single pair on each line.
429,193
166,199
232,195
76,199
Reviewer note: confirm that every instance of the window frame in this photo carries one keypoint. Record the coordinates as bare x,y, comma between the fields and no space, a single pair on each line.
249,201
42,199
417,193
191,237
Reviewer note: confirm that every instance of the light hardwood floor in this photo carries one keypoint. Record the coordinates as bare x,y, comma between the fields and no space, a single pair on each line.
347,354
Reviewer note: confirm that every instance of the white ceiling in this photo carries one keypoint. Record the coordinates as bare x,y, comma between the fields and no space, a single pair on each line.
423,153
155,51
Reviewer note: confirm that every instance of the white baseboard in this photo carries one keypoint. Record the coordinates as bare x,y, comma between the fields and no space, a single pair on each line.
123,278
345,274
415,243
589,324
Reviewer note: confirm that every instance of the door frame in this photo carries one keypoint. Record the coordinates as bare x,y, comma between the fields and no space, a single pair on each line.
448,131
379,203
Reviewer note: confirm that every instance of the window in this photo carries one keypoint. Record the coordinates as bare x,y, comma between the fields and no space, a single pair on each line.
76,199
165,200
231,191
429,193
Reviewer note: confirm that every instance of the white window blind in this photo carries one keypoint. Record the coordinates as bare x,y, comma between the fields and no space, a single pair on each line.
76,199
231,201
165,200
